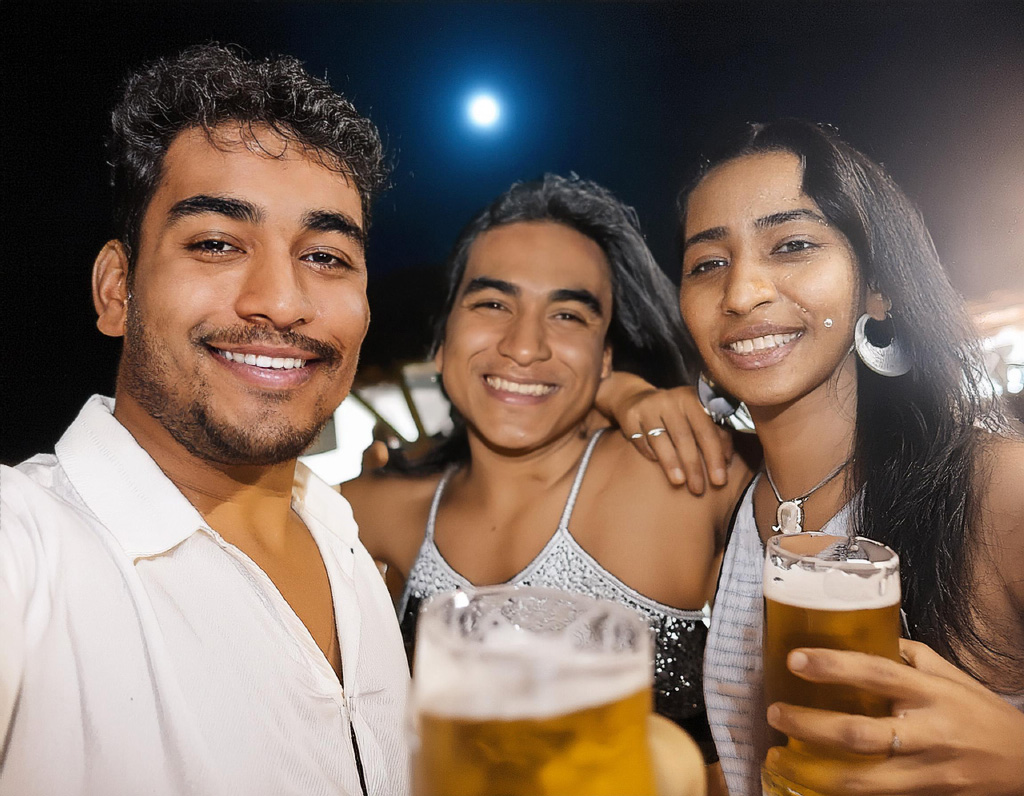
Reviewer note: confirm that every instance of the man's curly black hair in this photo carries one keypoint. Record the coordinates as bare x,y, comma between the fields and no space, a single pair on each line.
210,85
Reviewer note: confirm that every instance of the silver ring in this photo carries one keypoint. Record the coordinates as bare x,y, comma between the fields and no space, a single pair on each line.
656,432
895,744
638,435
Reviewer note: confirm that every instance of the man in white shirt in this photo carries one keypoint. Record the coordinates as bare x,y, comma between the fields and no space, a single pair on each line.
183,607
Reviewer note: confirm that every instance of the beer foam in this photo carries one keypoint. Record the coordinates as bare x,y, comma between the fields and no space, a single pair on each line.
522,676
831,589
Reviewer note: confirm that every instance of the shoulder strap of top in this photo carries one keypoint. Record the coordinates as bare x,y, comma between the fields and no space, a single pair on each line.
581,470
438,491
748,493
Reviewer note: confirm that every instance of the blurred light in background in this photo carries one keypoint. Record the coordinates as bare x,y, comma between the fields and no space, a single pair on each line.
999,319
484,110
411,409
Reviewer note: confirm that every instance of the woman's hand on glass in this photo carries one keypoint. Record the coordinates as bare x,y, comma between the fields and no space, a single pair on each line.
947,734
669,427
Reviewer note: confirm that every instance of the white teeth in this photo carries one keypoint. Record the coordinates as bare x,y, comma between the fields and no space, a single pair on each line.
520,389
761,343
273,363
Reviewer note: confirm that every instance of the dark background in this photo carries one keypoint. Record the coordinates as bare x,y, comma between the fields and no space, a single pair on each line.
624,94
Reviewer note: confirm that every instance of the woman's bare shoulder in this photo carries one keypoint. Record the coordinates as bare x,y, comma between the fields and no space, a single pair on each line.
378,484
1002,479
391,511
644,480
657,537
634,493
1001,508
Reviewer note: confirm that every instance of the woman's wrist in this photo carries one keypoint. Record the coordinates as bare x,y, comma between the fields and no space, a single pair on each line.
618,390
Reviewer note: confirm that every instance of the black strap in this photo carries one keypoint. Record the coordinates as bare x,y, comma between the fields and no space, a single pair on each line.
729,529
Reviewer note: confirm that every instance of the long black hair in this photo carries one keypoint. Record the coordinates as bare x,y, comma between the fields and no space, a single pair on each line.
916,441
646,332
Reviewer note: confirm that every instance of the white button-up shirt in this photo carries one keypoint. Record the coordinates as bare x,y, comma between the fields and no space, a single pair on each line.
140,653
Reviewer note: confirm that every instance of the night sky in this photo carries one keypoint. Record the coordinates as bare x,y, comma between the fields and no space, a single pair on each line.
625,94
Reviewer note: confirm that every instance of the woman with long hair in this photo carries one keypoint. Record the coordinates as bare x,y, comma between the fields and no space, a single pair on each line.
815,296
550,287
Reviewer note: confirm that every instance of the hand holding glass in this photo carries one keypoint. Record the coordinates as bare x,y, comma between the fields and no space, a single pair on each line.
833,592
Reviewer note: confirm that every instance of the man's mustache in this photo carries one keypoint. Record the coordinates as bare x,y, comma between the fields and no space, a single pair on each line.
325,352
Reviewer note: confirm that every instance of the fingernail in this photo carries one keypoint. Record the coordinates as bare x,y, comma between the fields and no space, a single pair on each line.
773,714
676,476
797,661
718,476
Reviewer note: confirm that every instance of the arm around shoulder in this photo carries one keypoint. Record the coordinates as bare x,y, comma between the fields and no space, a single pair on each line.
670,427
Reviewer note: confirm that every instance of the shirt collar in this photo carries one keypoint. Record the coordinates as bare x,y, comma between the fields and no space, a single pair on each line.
142,508
324,511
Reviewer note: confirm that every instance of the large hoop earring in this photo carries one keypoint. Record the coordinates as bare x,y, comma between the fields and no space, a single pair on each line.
724,409
887,360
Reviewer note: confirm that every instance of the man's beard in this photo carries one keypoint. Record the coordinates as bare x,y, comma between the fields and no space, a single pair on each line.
188,412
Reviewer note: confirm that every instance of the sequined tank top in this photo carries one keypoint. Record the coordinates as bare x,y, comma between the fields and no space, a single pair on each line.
679,636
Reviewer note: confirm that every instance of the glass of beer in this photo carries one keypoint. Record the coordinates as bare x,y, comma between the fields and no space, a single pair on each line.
826,591
522,690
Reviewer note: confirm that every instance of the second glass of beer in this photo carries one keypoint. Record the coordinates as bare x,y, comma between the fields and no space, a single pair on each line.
826,591
520,690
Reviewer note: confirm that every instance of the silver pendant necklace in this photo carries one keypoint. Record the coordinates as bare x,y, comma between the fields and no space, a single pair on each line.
789,517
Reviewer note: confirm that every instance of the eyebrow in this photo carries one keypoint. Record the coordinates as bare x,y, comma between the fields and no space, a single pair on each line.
335,221
584,297
764,222
476,284
199,204
241,210
710,234
775,219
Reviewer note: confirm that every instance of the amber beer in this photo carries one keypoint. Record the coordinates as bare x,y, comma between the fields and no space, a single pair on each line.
523,691
834,592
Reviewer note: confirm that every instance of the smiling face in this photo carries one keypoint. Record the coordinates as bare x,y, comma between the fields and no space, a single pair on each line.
762,271
248,298
524,347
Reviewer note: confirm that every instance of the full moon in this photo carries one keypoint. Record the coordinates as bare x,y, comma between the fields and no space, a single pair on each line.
484,110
